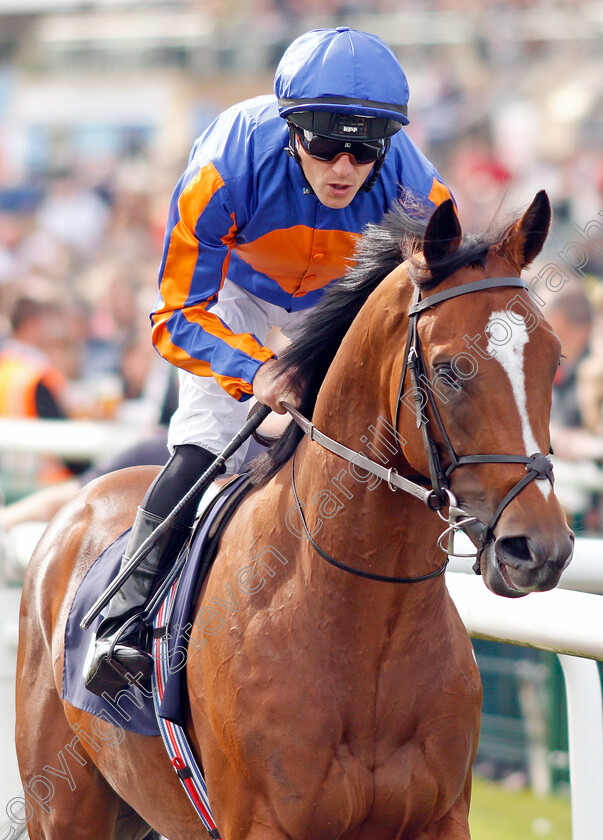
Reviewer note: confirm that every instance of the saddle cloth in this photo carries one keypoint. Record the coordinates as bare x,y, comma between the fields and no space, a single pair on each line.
132,707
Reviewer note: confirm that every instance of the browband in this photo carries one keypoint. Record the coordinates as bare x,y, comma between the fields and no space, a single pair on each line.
456,291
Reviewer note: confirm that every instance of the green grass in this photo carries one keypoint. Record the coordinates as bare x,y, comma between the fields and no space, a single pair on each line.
500,814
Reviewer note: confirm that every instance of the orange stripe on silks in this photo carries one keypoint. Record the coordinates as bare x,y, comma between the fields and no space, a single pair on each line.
211,324
300,258
438,192
182,255
234,387
176,355
244,342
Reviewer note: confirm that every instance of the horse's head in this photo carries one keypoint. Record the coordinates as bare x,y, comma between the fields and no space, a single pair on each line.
468,389
479,369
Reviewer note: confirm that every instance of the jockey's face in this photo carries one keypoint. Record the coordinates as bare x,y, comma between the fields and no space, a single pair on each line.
335,182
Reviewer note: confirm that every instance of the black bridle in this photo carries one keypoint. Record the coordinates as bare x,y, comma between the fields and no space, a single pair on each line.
537,465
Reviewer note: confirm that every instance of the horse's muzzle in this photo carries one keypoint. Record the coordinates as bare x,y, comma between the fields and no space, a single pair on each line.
516,565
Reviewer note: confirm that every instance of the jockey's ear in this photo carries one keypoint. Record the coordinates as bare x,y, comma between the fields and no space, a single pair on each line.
523,241
443,234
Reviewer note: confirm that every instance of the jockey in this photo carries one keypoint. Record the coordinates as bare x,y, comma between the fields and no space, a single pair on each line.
267,214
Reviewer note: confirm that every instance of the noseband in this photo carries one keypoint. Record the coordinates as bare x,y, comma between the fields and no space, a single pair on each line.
538,466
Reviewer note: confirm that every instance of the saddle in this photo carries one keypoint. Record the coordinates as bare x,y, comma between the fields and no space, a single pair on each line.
132,708
173,626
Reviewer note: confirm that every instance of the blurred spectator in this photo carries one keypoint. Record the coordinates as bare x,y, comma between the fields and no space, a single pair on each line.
590,393
480,181
590,372
114,320
570,313
30,384
73,214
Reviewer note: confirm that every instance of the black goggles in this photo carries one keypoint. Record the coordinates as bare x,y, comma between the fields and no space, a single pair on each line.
327,149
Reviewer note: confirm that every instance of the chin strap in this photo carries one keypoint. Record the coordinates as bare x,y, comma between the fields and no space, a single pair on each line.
372,180
291,150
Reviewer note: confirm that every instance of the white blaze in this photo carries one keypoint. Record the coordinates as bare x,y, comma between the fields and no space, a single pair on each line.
510,354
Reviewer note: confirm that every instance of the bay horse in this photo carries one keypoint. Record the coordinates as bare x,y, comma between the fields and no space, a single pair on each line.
333,700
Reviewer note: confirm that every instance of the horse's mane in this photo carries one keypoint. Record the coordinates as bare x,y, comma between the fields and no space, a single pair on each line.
382,247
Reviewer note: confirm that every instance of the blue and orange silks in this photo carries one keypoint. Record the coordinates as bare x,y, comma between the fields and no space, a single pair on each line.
242,209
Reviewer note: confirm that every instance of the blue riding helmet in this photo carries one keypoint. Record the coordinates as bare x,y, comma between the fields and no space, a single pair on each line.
345,72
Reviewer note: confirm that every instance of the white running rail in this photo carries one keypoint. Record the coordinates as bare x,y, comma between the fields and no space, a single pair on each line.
569,624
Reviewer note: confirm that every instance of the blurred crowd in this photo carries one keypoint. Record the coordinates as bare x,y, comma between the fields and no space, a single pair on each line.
80,245
78,266
88,253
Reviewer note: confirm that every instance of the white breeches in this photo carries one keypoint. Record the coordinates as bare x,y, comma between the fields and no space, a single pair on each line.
206,414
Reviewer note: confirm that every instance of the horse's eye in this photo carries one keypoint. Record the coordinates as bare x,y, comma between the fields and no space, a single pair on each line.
445,377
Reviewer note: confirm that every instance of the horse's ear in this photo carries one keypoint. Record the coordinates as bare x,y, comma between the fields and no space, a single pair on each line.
443,233
524,239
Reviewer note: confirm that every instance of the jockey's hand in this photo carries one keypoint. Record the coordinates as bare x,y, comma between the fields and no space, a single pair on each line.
272,389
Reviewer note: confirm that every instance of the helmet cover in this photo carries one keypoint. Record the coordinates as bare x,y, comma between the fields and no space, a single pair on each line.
342,71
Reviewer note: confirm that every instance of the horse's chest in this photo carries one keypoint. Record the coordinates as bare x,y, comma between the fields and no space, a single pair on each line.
414,782
365,773
414,786
343,742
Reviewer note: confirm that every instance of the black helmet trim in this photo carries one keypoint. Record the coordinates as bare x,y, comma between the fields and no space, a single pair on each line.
345,126
346,105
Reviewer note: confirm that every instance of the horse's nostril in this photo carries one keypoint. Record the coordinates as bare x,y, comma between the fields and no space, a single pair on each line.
531,553
513,550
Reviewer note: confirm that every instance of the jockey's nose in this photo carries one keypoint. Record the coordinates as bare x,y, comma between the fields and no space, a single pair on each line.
343,165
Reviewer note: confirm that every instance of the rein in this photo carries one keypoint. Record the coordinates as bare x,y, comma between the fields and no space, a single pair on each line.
393,479
538,466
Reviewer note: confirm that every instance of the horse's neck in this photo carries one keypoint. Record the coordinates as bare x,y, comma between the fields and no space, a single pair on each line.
356,517
373,530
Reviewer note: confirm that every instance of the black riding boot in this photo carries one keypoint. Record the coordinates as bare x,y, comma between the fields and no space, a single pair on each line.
116,655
